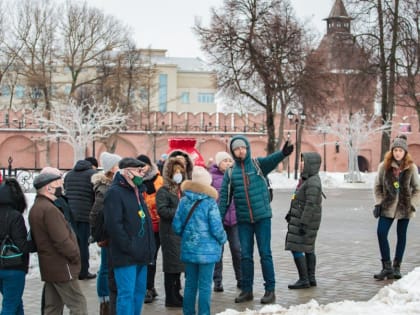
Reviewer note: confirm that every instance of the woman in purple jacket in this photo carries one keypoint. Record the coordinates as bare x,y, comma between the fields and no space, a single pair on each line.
223,162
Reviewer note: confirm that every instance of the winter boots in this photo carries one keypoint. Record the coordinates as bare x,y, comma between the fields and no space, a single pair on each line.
104,308
396,266
172,286
387,272
244,297
311,263
268,298
302,268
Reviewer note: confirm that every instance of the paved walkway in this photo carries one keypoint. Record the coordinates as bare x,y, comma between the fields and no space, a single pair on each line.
347,252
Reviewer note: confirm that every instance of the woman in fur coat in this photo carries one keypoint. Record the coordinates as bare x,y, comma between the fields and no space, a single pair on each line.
397,193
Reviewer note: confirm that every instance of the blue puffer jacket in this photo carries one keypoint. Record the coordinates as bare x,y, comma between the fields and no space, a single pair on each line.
203,235
131,238
249,189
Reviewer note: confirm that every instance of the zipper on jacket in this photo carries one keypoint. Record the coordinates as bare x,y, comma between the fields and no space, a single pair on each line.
68,269
245,179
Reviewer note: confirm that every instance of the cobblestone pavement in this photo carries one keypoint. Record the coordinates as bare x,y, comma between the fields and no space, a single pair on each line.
347,254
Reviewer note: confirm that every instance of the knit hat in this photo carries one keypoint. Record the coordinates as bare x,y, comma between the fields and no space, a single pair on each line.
237,143
51,170
164,156
109,160
44,179
130,162
400,142
201,176
145,159
222,155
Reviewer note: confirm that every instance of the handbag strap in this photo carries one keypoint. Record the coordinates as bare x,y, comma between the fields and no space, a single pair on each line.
190,214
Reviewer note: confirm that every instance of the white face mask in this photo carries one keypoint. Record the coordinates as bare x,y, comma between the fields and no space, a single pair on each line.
177,178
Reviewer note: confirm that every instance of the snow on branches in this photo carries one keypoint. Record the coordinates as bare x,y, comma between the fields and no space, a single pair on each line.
80,125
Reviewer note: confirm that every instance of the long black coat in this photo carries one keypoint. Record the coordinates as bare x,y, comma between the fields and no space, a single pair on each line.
304,216
167,199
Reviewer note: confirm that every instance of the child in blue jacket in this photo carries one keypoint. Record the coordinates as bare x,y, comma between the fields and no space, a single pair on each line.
202,235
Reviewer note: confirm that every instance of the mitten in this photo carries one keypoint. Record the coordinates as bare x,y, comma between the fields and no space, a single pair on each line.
287,149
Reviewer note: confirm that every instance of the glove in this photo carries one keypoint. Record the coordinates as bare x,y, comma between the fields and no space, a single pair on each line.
302,229
377,211
287,217
287,149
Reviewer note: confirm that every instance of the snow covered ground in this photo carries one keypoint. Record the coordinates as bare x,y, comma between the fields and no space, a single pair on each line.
402,297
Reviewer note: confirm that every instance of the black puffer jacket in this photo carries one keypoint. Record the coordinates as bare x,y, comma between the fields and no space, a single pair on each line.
305,210
79,190
13,223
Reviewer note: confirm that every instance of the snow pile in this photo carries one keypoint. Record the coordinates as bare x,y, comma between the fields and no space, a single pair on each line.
399,298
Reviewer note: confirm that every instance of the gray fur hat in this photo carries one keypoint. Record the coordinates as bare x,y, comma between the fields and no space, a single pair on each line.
400,142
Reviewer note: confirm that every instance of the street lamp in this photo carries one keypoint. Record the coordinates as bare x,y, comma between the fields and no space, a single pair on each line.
58,152
299,120
288,160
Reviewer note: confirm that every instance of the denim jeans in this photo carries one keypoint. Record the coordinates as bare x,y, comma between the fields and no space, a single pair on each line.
235,251
262,232
83,232
384,224
197,277
102,280
12,284
131,288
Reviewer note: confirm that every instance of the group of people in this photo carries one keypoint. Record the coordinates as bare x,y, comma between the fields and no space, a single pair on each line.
133,208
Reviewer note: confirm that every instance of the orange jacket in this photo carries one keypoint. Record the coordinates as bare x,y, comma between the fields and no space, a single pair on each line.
150,200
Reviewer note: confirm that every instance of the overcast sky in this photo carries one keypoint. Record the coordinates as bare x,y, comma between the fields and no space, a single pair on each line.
167,24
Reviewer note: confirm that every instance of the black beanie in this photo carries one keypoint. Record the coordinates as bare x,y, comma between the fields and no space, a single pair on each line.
144,159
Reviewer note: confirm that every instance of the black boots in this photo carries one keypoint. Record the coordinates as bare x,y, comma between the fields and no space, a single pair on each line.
104,308
396,266
244,297
386,272
302,268
172,286
268,298
311,263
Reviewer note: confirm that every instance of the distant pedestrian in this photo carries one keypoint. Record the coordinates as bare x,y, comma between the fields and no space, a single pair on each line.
160,162
249,189
12,223
101,181
80,195
397,193
304,219
152,181
131,241
58,251
197,221
223,163
167,199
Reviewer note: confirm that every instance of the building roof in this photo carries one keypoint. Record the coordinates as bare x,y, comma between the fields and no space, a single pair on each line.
338,10
183,64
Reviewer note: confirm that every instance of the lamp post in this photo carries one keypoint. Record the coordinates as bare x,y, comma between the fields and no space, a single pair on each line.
299,120
324,132
58,152
288,160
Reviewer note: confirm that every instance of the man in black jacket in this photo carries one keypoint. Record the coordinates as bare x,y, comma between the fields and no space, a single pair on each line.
80,195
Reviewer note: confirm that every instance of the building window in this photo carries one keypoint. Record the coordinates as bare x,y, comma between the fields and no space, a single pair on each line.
19,91
5,91
185,97
207,98
67,89
163,92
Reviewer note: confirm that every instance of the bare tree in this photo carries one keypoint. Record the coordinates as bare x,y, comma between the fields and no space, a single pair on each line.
259,50
80,125
379,24
353,132
408,61
34,28
89,36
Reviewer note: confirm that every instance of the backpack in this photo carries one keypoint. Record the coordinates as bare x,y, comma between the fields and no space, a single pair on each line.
259,172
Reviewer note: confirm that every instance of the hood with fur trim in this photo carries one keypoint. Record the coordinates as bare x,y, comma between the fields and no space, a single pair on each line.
199,188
